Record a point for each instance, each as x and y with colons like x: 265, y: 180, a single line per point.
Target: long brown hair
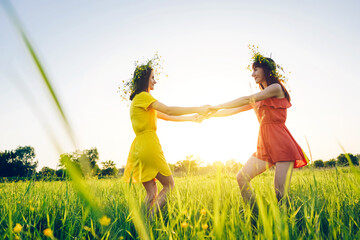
x: 141, y: 81
x: 270, y: 77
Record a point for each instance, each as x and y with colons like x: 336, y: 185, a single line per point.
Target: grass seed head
x: 86, y: 228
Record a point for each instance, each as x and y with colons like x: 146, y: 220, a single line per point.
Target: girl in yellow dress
x: 146, y: 161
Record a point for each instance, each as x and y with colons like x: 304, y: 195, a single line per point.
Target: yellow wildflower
x: 17, y: 228
x: 32, y: 209
x: 184, y: 225
x: 16, y: 237
x: 104, y: 221
x: 203, y: 211
x: 30, y: 202
x: 48, y: 232
x: 204, y: 226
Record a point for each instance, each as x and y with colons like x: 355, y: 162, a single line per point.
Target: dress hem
x: 142, y: 181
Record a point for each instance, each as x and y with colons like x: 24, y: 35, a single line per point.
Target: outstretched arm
x: 193, y: 117
x: 231, y: 111
x: 274, y: 90
x: 176, y: 111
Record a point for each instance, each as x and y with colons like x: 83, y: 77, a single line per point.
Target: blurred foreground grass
x: 323, y: 205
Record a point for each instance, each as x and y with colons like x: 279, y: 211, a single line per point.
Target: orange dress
x: 275, y: 143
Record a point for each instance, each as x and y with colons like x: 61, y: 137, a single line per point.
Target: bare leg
x: 151, y: 192
x: 282, y: 179
x: 252, y: 168
x: 168, y: 184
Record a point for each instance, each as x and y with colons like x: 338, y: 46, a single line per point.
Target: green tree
x: 109, y: 168
x: 319, y: 163
x: 342, y: 159
x: 218, y: 164
x: 18, y: 163
x: 47, y: 172
x: 330, y: 163
x: 61, y: 173
x: 232, y: 166
x: 85, y: 161
x: 189, y: 165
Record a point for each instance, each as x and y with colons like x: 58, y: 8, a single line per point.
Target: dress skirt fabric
x: 146, y: 158
x: 275, y: 142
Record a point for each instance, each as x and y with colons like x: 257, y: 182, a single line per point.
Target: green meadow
x: 323, y: 204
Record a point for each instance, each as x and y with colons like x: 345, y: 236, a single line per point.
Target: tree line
x: 21, y: 163
x: 341, y: 161
x: 192, y: 165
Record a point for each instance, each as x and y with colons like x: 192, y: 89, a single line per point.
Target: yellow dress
x: 146, y: 158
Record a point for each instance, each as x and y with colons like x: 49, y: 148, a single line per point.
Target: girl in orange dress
x: 275, y: 146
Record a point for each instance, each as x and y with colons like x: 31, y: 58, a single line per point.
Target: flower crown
x: 257, y: 57
x: 130, y: 86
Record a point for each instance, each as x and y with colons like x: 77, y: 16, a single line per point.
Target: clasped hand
x: 205, y: 112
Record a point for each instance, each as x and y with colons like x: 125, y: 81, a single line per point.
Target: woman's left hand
x: 198, y: 118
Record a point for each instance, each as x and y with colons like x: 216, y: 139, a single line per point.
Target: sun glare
x: 215, y: 139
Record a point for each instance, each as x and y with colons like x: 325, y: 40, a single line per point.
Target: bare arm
x: 176, y: 111
x: 274, y: 90
x: 194, y: 117
x: 231, y: 111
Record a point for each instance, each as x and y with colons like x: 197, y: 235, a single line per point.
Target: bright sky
x: 88, y: 47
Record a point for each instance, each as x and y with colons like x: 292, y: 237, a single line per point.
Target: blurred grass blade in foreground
x: 80, y: 185
x: 15, y: 20
x: 137, y: 217
x: 354, y: 170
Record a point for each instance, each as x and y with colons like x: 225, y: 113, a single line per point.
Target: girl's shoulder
x: 275, y: 102
x: 142, y: 95
x: 143, y: 100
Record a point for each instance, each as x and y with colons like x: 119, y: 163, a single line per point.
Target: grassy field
x: 324, y: 204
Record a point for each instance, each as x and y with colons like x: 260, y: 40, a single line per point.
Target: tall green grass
x: 322, y: 205
x: 79, y: 184
x: 83, y: 189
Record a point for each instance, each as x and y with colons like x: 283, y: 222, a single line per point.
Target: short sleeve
x: 144, y: 100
